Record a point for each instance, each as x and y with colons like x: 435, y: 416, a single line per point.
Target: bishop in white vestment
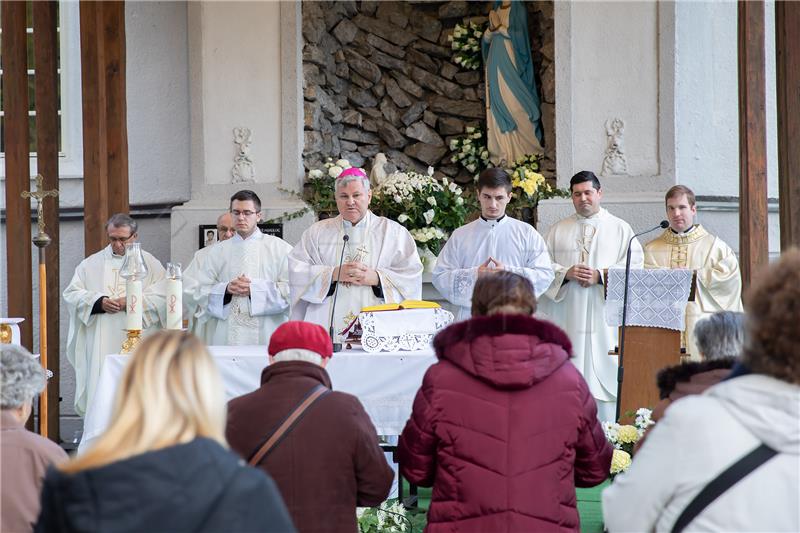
x: 191, y: 275
x: 243, y: 285
x: 688, y: 245
x: 493, y: 241
x: 381, y: 264
x: 581, y: 246
x: 96, y: 303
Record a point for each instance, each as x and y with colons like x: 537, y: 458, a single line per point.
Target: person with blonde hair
x: 504, y: 427
x: 24, y: 455
x: 163, y: 464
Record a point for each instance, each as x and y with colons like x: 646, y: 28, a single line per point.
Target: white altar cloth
x: 386, y: 383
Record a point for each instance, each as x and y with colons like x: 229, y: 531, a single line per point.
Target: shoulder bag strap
x: 728, y: 478
x: 288, y: 423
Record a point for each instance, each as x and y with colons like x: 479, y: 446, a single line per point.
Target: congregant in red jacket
x: 504, y: 426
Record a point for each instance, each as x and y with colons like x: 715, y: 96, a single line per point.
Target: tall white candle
x: 133, y: 297
x: 174, y: 304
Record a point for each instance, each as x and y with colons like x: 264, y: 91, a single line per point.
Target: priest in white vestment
x: 688, y: 245
x: 494, y: 241
x: 581, y: 246
x: 381, y: 264
x: 96, y: 303
x: 243, y: 285
x: 191, y: 286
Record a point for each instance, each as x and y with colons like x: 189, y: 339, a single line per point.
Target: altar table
x: 385, y: 383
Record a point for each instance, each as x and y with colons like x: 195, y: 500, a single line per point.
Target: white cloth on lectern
x: 656, y: 298
x: 517, y: 245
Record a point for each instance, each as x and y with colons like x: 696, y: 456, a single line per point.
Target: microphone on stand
x: 337, y: 346
x: 621, y: 370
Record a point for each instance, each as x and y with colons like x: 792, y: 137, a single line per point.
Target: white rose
x: 344, y: 163
x: 397, y: 198
x: 431, y: 200
x: 452, y: 187
x: 402, y: 218
x: 430, y: 171
x: 315, y: 174
x: 460, y: 201
x: 429, y: 214
x: 334, y: 171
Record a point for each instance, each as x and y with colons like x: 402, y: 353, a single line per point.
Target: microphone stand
x: 337, y: 346
x: 621, y: 368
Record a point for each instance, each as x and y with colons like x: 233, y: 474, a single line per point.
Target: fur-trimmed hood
x: 506, y: 351
x: 668, y: 379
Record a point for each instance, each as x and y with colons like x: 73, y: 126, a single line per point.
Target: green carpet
x: 589, y: 508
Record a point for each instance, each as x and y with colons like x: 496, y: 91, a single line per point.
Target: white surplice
x: 599, y: 241
x: 192, y: 296
x: 93, y: 336
x: 245, y: 320
x: 517, y: 245
x: 380, y: 243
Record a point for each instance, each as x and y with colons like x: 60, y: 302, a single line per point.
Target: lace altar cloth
x: 401, y: 329
x: 656, y: 297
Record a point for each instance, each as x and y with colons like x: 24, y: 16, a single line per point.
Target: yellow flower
x: 620, y: 461
x: 627, y: 435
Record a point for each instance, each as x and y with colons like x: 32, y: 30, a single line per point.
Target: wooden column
x: 105, y: 134
x: 753, y: 236
x: 18, y: 210
x: 45, y: 50
x: 787, y: 48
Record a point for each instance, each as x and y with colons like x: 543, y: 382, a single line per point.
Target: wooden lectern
x: 647, y: 350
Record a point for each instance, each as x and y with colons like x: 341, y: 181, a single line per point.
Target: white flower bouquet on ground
x: 624, y: 438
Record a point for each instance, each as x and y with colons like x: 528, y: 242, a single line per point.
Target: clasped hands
x: 584, y: 275
x: 113, y: 305
x: 490, y: 265
x: 239, y: 286
x: 356, y: 273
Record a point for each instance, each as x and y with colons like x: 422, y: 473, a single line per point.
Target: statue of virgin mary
x: 513, y: 117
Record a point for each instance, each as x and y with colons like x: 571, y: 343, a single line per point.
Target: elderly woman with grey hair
x: 25, y: 455
x: 719, y: 338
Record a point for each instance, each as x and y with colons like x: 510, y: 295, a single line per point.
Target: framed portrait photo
x: 207, y: 235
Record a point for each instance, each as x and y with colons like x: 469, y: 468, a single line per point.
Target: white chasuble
x: 244, y: 320
x: 517, y: 245
x: 599, y: 241
x: 379, y: 243
x: 719, y: 284
x: 93, y: 336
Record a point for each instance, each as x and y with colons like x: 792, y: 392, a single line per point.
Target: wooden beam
x: 45, y: 50
x: 753, y: 235
x: 17, y: 158
x: 105, y: 137
x: 787, y: 48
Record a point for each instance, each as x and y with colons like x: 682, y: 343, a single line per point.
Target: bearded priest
x: 380, y: 264
x: 688, y: 245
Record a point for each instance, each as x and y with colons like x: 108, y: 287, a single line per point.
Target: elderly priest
x: 380, y: 263
x: 96, y: 303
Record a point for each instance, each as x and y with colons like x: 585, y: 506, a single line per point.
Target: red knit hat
x: 297, y: 334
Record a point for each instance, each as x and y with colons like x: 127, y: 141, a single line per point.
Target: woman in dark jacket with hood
x: 163, y: 464
x: 504, y: 427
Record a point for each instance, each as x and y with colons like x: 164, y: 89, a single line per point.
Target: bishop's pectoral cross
x: 39, y: 195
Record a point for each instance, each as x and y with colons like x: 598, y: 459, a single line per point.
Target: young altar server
x: 97, y: 306
x: 495, y: 241
x: 243, y: 286
x: 381, y: 264
x: 688, y: 245
x: 581, y: 246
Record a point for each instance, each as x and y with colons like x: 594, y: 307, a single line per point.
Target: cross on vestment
x: 39, y: 196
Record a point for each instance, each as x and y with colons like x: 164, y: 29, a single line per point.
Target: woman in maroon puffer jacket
x: 504, y: 427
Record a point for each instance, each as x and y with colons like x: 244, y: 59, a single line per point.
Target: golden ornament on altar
x: 129, y: 344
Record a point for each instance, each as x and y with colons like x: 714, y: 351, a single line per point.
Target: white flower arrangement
x: 466, y: 43
x: 624, y: 437
x: 388, y: 518
x: 470, y: 150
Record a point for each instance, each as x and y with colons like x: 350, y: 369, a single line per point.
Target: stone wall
x: 378, y: 77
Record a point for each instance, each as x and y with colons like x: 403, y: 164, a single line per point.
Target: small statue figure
x: 243, y: 171
x: 614, y: 163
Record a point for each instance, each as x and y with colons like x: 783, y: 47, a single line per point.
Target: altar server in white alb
x: 688, y: 245
x: 495, y: 241
x: 381, y: 264
x: 581, y: 246
x: 243, y: 285
x: 97, y: 306
x: 198, y: 315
